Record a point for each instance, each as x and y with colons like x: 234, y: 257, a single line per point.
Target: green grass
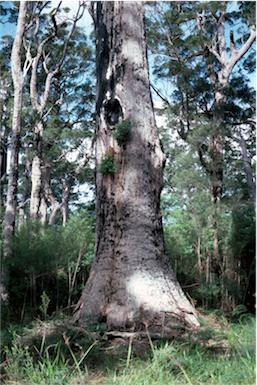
x: 221, y: 353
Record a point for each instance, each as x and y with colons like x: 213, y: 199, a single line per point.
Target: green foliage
x: 181, y: 60
x: 122, y: 131
x: 107, y: 164
x: 50, y: 369
x: 68, y: 113
x: 189, y: 240
x: 188, y: 217
x: 239, y: 311
x: 56, y: 259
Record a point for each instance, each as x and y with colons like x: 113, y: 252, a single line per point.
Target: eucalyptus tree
x: 131, y: 284
x: 56, y: 111
x: 5, y: 116
x: 5, y: 113
x: 19, y: 71
x: 192, y: 48
x: 46, y: 49
x: 67, y: 140
x: 248, y: 169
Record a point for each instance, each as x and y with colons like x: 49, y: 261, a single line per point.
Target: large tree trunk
x: 131, y: 282
x: 18, y: 80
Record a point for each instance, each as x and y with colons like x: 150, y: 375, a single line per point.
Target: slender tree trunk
x: 65, y: 213
x: 36, y: 172
x: 66, y: 185
x: 131, y: 282
x: 26, y: 191
x: 248, y: 171
x: 198, y: 253
x: 3, y: 167
x: 18, y: 80
x: 48, y: 194
x: 43, y: 211
x: 3, y: 144
x: 4, y: 132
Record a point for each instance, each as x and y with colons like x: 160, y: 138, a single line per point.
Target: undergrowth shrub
x: 52, y: 262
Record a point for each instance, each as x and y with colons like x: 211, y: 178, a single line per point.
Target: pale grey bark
x: 248, y: 170
x: 43, y: 211
x: 131, y: 283
x: 22, y: 207
x: 3, y: 151
x: 39, y: 104
x: 18, y: 80
x: 11, y: 200
x: 56, y: 206
x: 62, y: 206
x: 4, y: 86
x: 36, y: 172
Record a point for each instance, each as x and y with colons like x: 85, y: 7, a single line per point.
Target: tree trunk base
x: 116, y: 318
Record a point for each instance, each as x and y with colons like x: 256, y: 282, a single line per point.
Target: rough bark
x: 18, y: 80
x: 131, y: 283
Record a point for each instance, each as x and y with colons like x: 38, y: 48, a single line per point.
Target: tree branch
x: 51, y: 75
x: 236, y: 55
x: 165, y: 100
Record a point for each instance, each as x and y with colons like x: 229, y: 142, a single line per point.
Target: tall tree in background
x: 220, y: 65
x: 40, y: 91
x: 131, y: 282
x: 191, y: 47
x: 18, y: 74
x: 5, y: 114
x: 52, y: 124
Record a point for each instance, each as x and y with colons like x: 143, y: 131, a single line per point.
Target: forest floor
x: 54, y: 352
